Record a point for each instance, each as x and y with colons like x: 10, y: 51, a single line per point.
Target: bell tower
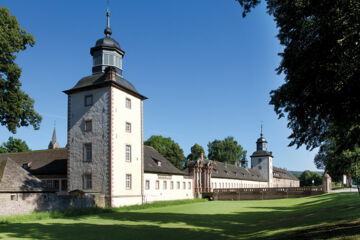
x: 105, y: 129
x: 262, y: 160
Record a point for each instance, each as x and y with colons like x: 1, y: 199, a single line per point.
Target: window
x: 49, y: 183
x: 171, y: 185
x: 128, y: 181
x: 87, y: 181
x: 189, y: 185
x: 184, y: 185
x: 147, y: 185
x: 88, y: 126
x: 97, y: 60
x: 128, y: 103
x: 56, y: 185
x: 107, y: 58
x: 157, y: 184
x: 128, y: 127
x: 63, y: 185
x: 178, y: 185
x: 13, y: 197
x: 260, y: 167
x: 87, y: 152
x: 88, y: 100
x: 164, y: 185
x: 128, y: 153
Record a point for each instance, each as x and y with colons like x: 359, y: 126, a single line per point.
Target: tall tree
x: 16, y: 107
x: 321, y: 66
x: 169, y: 149
x: 196, y: 151
x: 14, y: 145
x: 227, y: 150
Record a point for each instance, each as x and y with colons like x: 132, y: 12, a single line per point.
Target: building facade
x: 105, y: 154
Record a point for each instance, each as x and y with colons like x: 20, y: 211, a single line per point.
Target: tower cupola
x: 261, y: 143
x: 107, y: 52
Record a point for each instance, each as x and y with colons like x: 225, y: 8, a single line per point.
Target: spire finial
x: 261, y: 132
x: 108, y: 31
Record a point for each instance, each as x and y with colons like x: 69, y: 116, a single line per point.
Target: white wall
x: 223, y: 183
x: 161, y: 194
x: 119, y: 139
x: 279, y: 182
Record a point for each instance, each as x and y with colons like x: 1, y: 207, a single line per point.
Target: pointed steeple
x: 107, y: 30
x: 53, y: 143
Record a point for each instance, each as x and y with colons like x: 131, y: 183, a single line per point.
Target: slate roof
x: 42, y: 162
x: 261, y: 154
x: 283, y: 174
x: 151, y: 159
x: 13, y: 178
x: 223, y: 170
x: 98, y: 80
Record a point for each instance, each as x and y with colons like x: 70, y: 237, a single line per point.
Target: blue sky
x: 206, y: 70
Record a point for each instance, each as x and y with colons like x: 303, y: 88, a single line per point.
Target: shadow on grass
x: 263, y: 223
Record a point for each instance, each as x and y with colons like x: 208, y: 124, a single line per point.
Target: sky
x: 207, y: 72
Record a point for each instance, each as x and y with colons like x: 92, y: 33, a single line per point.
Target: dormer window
x: 26, y: 166
x: 157, y: 162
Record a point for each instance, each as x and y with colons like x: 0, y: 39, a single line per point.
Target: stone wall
x: 262, y: 193
x: 25, y: 203
x: 281, y: 182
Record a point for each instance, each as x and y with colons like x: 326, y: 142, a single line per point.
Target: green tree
x: 227, y: 150
x: 16, y: 107
x: 169, y: 149
x: 307, y: 177
x: 14, y: 145
x: 320, y: 62
x: 196, y: 151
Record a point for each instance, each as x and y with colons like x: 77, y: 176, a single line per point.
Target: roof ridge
x: 33, y: 151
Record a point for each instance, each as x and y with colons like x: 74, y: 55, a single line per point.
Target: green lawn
x: 330, y: 216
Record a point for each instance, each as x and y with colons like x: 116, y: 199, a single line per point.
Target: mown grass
x: 329, y: 216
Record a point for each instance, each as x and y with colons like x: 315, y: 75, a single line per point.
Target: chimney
x: 110, y: 74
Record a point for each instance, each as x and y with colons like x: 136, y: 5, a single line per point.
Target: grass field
x: 330, y: 216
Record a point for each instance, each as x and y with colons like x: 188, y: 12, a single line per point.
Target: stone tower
x: 53, y: 143
x: 105, y: 129
x: 262, y: 160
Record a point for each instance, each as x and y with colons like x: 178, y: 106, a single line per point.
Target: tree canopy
x: 227, y: 150
x: 307, y: 177
x: 16, y: 107
x: 321, y: 65
x: 196, y: 151
x: 169, y: 149
x: 14, y: 145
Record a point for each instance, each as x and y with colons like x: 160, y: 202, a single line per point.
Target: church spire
x: 53, y: 143
x: 261, y: 131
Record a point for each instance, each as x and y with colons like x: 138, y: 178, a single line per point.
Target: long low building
x: 162, y: 181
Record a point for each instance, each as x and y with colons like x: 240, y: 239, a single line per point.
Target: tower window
x: 128, y: 181
x: 88, y: 126
x: 87, y: 152
x: 147, y: 185
x: 87, y: 181
x: 128, y: 103
x: 128, y: 153
x: 88, y: 101
x: 97, y: 60
x: 128, y: 127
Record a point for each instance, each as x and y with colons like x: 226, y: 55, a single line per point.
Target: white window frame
x: 157, y: 185
x: 128, y: 103
x: 128, y: 127
x: 128, y: 153
x: 147, y: 184
x: 128, y: 181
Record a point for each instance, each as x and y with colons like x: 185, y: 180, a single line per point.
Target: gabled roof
x: 154, y: 162
x: 41, y: 162
x: 224, y: 170
x: 13, y: 178
x: 283, y: 174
